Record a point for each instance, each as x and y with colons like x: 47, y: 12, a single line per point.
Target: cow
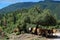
x: 38, y: 31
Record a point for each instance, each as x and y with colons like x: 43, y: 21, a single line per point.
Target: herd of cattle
x: 37, y: 31
x: 43, y: 32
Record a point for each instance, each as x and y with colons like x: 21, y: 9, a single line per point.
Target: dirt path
x: 32, y: 37
x: 26, y: 37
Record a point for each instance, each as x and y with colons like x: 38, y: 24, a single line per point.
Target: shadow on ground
x: 53, y: 37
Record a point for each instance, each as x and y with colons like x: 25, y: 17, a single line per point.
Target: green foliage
x: 25, y: 18
x: 36, y: 16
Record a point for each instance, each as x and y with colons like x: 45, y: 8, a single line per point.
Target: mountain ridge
x: 54, y: 6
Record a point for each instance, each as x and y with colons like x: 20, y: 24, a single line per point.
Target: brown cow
x: 44, y: 32
x: 38, y: 31
x: 33, y: 30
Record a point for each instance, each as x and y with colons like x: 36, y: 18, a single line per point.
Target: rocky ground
x: 26, y: 37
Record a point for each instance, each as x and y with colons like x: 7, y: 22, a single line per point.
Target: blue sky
x: 4, y: 3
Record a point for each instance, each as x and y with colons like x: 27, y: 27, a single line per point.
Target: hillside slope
x: 54, y: 6
x: 16, y: 6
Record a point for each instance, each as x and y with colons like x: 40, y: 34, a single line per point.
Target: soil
x: 26, y: 37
